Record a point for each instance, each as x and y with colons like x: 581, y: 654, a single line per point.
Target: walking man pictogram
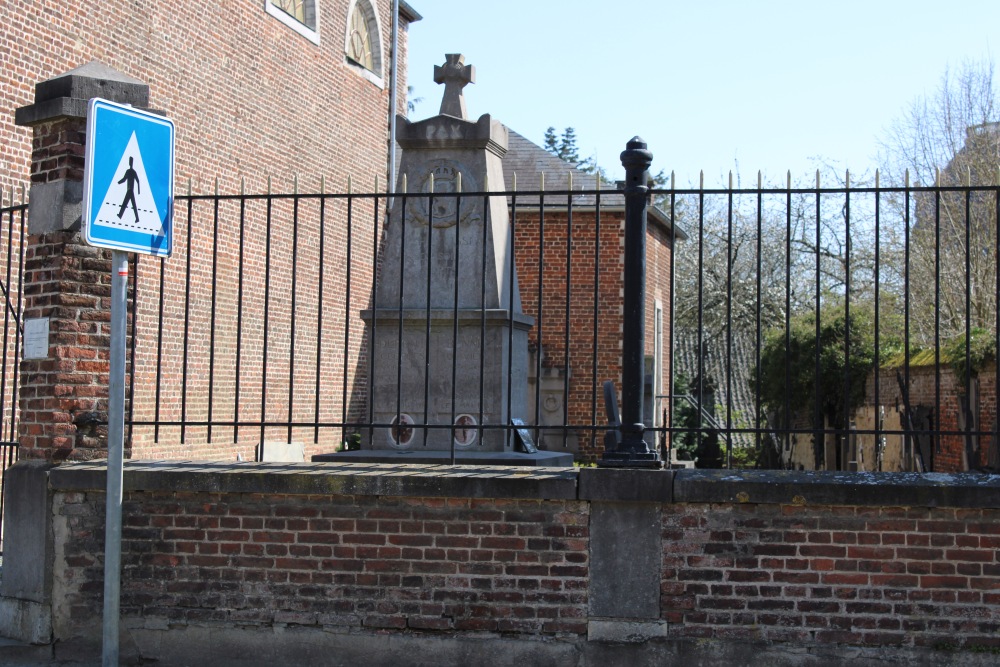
x: 131, y: 181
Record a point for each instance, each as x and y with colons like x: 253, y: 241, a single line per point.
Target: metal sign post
x: 128, y: 197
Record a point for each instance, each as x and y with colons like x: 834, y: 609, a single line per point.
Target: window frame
x: 309, y: 30
x: 375, y: 37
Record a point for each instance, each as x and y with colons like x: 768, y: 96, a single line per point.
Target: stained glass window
x: 294, y: 8
x: 359, y: 42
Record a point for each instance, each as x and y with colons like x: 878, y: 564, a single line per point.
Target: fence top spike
x: 189, y: 186
x: 847, y: 179
x: 541, y: 185
x: 404, y: 183
x: 673, y: 179
x: 513, y: 181
x: 907, y: 178
x: 269, y: 184
x: 876, y: 179
x: 788, y: 179
x: 817, y: 179
x: 730, y: 179
x: 968, y: 175
x: 937, y: 177
x: 322, y: 184
x: 430, y: 182
x: 570, y: 179
x: 486, y: 182
x: 376, y: 184
x: 295, y: 184
x: 243, y: 185
x: 458, y: 181
x: 760, y: 180
x: 216, y: 186
x: 701, y: 179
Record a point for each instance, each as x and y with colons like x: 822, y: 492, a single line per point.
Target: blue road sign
x: 128, y: 179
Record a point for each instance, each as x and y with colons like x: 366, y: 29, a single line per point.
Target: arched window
x: 363, y: 48
x: 302, y: 16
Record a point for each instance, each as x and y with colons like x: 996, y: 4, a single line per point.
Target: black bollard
x: 632, y: 450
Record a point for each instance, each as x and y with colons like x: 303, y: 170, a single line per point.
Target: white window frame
x: 378, y: 52
x: 309, y: 32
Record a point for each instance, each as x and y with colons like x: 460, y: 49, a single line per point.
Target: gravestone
x: 448, y: 337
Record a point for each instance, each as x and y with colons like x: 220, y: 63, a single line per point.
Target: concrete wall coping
x: 591, y: 484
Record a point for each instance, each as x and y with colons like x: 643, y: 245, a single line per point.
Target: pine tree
x: 551, y: 142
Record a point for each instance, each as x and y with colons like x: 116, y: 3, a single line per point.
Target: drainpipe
x: 392, y: 98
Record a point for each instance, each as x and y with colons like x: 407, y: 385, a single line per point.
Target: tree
x: 950, y: 138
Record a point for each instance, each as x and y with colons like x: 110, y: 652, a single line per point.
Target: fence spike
x: 907, y: 179
x: 730, y: 179
x: 243, y: 186
x: 541, y: 185
x: 458, y: 182
x: 847, y: 179
x: 295, y: 184
x: 673, y: 180
x: 817, y: 179
x: 216, y: 186
x: 513, y: 181
x: 571, y: 179
x: 430, y: 182
x: 376, y: 187
x: 269, y: 184
x: 968, y: 175
x: 322, y: 184
x: 788, y: 179
x: 404, y: 184
x: 486, y: 182
x: 597, y: 182
x: 760, y: 180
x: 189, y: 186
x: 876, y: 179
x: 701, y: 179
x: 937, y: 177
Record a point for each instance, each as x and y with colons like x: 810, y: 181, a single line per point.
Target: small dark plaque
x: 524, y: 436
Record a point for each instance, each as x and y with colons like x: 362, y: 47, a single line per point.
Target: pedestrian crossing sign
x: 128, y: 179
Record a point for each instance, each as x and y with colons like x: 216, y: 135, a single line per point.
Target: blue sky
x: 770, y: 85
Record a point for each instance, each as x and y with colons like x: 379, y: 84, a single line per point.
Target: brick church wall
x: 253, y: 102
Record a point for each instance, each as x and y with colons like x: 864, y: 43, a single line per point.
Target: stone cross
x: 455, y: 75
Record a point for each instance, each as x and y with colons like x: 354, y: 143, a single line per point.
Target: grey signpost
x: 128, y: 196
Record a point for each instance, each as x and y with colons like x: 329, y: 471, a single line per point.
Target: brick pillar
x: 63, y: 398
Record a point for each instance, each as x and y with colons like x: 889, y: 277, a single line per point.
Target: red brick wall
x: 927, y: 387
x: 250, y: 99
x: 819, y: 575
x: 456, y: 564
x: 874, y: 576
x: 551, y: 318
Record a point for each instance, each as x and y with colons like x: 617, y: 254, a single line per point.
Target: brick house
x: 590, y: 361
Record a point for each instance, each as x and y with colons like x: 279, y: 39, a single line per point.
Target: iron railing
x: 13, y: 217
x: 252, y: 332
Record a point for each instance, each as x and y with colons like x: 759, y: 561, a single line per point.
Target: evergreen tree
x: 551, y: 142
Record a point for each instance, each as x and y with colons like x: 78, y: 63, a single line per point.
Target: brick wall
x: 791, y: 561
x: 863, y: 576
x: 588, y: 299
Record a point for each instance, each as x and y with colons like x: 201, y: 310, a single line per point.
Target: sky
x: 710, y: 85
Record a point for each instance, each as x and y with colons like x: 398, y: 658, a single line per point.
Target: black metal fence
x: 13, y: 217
x: 844, y: 327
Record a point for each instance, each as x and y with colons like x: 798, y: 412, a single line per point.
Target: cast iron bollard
x: 632, y: 450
